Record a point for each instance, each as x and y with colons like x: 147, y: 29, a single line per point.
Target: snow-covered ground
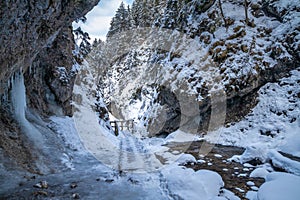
x: 133, y: 167
x: 150, y: 161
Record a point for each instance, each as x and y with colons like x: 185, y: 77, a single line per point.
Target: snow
x: 248, y: 165
x: 201, y: 161
x: 218, y: 156
x: 137, y: 158
x: 186, y: 158
x: 181, y: 136
x: 239, y: 189
x: 226, y: 194
x: 280, y: 186
x: 254, y: 151
x: 292, y: 141
x: 276, y: 113
x: 187, y: 184
x: 282, y: 162
x: 251, y: 195
x: 65, y: 127
x: 250, y: 183
x: 259, y: 173
x: 254, y: 188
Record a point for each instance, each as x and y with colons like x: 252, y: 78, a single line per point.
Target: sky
x: 98, y: 19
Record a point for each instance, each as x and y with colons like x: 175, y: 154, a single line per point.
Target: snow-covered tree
x: 121, y: 21
x: 143, y: 12
x: 170, y: 15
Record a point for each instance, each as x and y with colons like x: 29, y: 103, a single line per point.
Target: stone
x: 244, y: 48
x: 75, y: 196
x: 73, y: 185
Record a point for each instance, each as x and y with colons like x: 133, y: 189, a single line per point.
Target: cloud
x: 98, y: 19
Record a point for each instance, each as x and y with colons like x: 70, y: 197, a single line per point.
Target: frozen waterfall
x: 18, y: 101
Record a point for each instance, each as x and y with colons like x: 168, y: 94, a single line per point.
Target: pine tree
x: 170, y: 15
x: 120, y: 22
x: 85, y: 46
x: 96, y: 42
x: 143, y: 12
x: 145, y: 15
x: 135, y: 13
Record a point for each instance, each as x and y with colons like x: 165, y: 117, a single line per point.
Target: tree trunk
x: 222, y: 13
x: 246, y: 11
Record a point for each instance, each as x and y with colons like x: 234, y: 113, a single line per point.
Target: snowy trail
x: 133, y: 154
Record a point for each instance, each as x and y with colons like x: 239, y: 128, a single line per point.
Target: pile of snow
x: 186, y: 158
x: 279, y: 186
x: 187, y: 184
x: 181, y: 136
x: 259, y: 173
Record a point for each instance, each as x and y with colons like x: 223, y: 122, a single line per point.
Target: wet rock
x: 42, y: 185
x: 75, y: 196
x: 73, y: 185
x: 131, y: 180
x: 40, y: 193
x: 38, y: 185
x: 244, y: 48
x: 255, y: 162
x: 109, y: 180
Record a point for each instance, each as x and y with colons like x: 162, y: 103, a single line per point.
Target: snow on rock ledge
x: 282, y: 162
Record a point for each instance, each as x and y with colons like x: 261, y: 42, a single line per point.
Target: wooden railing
x: 122, y: 125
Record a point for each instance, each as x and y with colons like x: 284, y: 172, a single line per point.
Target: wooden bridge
x: 122, y: 125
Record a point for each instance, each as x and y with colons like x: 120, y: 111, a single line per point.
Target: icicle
x: 18, y: 97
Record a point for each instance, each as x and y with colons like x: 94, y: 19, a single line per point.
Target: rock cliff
x: 36, y: 40
x: 211, y: 46
x: 37, y: 34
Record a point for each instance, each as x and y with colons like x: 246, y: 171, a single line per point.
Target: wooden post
x: 116, y: 129
x: 115, y: 126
